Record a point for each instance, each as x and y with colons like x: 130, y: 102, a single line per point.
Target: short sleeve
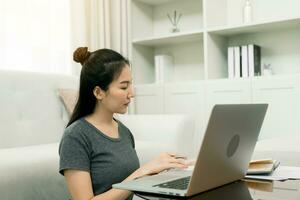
x: 73, y: 154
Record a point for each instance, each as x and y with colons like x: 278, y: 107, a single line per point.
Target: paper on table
x: 281, y: 173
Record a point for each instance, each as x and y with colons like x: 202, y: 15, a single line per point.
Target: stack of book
x: 263, y: 166
x: 244, y: 61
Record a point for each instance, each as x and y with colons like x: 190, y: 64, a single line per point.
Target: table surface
x: 246, y: 190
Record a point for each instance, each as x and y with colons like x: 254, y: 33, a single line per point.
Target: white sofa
x: 32, y: 121
x: 161, y: 133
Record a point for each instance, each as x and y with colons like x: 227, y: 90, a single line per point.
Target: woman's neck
x: 101, y: 116
x: 104, y: 121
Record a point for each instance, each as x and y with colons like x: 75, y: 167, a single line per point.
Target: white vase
x: 247, y: 12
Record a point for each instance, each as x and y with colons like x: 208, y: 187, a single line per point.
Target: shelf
x: 174, y: 38
x: 256, y: 27
x: 277, y: 77
x: 155, y: 2
x: 274, y: 77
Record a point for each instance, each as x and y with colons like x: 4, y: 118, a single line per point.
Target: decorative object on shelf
x: 163, y: 68
x: 267, y: 70
x: 174, y: 21
x: 247, y: 12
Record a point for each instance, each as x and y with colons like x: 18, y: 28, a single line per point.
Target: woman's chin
x: 123, y: 111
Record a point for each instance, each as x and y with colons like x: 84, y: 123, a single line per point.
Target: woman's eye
x: 124, y: 86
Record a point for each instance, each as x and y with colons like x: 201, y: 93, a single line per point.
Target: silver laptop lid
x: 227, y: 147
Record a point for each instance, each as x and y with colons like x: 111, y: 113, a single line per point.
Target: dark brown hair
x: 99, y: 68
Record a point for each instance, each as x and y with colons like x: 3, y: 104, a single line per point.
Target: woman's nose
x: 131, y: 93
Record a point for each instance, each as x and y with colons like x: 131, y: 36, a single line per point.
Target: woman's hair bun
x: 81, y: 54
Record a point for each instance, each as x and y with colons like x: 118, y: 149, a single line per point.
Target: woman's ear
x: 98, y: 93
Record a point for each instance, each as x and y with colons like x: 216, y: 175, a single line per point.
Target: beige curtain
x: 100, y: 24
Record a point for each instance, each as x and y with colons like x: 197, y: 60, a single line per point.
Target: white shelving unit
x: 207, y: 29
x: 279, y: 41
x: 151, y: 36
x: 275, y: 27
x: 169, y: 39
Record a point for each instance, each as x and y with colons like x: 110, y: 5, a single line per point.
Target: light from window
x: 35, y: 35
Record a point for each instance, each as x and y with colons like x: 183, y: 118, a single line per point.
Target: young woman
x: 97, y: 150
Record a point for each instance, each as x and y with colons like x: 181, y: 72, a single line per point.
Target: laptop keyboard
x: 180, y: 184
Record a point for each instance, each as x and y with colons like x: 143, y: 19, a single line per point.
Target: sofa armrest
x: 31, y: 172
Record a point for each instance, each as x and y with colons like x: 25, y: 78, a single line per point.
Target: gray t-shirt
x: 109, y: 160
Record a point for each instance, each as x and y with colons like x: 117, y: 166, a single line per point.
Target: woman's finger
x: 172, y: 154
x: 177, y: 165
x: 190, y: 162
x: 178, y: 160
x: 180, y: 156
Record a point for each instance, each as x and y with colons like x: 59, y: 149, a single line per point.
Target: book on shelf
x: 163, y: 68
x: 245, y: 67
x: 262, y: 166
x: 237, y: 61
x: 254, y: 56
x: 244, y: 61
x: 230, y: 60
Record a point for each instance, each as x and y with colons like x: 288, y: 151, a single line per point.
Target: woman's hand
x: 163, y: 162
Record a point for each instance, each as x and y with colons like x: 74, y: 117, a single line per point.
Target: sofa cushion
x: 69, y: 98
x: 28, y: 132
x: 31, y: 173
x: 31, y: 112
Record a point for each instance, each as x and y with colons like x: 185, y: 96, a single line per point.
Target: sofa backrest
x: 161, y: 133
x: 30, y: 109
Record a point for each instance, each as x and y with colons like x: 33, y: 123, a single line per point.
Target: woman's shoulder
x: 75, y: 129
x: 126, y: 131
x: 123, y: 127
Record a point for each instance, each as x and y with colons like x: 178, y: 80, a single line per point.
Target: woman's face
x: 117, y: 98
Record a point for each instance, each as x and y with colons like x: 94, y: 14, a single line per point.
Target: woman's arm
x: 80, y: 187
x: 80, y: 184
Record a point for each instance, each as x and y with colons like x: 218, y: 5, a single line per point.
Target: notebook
x: 262, y: 166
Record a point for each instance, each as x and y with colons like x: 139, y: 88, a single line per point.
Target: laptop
x: 224, y: 156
